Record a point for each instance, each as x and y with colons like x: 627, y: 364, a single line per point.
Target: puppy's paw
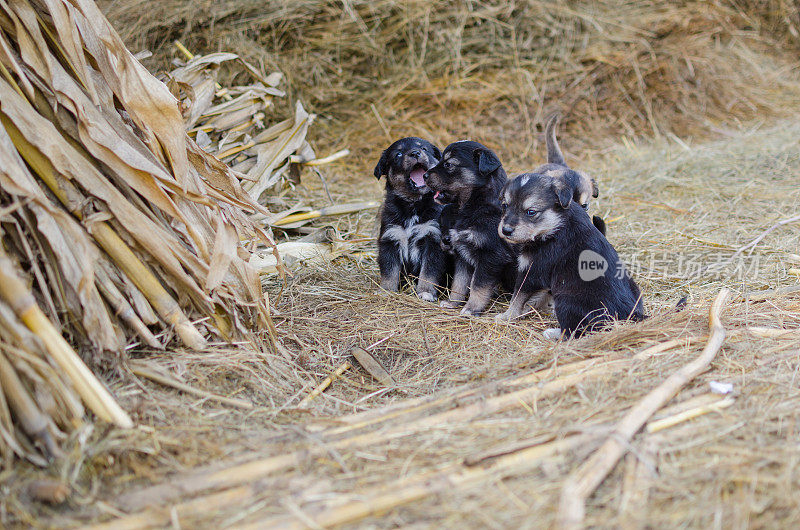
x: 505, y: 316
x: 450, y: 304
x: 468, y: 311
x: 428, y: 297
x: 552, y: 334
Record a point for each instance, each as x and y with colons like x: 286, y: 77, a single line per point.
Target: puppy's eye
x: 504, y: 206
x: 531, y: 212
x: 398, y: 154
x: 447, y: 166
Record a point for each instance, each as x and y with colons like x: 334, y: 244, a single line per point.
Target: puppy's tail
x: 554, y: 155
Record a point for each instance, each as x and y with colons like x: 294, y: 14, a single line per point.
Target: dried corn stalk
x: 231, y: 123
x: 115, y: 226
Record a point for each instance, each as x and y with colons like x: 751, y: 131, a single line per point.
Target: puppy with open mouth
x: 563, y: 251
x: 469, y: 178
x: 409, y: 241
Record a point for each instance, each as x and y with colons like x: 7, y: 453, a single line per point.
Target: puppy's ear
x: 503, y: 190
x: 486, y: 161
x: 437, y: 153
x: 595, y: 189
x: 564, y: 196
x: 599, y: 223
x: 382, y: 167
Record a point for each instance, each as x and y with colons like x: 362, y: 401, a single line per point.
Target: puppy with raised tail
x: 581, y: 187
x: 469, y: 178
x: 562, y: 250
x: 409, y: 241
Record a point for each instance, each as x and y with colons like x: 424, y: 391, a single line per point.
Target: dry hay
x: 730, y: 465
x: 492, y: 70
x: 671, y: 207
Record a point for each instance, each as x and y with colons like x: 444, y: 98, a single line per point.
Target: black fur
x: 469, y: 178
x: 555, y: 257
x: 409, y: 242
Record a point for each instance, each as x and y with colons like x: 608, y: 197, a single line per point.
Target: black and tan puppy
x: 584, y: 187
x: 469, y: 178
x: 410, y: 238
x: 561, y: 250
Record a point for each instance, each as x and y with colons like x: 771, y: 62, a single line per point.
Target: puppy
x: 409, y: 242
x: 582, y: 187
x: 561, y: 250
x: 469, y: 178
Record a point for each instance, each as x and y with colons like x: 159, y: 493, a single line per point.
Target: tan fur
x: 478, y: 300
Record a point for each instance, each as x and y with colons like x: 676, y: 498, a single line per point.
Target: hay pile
x: 116, y: 230
x: 492, y: 70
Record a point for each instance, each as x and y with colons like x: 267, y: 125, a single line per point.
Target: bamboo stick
x: 143, y: 371
x: 107, y: 238
x: 594, y: 470
x: 94, y: 394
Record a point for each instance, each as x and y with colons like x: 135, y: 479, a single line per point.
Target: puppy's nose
x: 415, y: 153
x: 508, y: 230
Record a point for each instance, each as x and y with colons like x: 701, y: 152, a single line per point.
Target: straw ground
x: 667, y: 206
x: 486, y: 443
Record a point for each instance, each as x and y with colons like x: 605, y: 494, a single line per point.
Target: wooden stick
x: 329, y: 210
x: 320, y: 161
x: 593, y: 471
x: 769, y: 333
x: 323, y: 385
x: 143, y: 371
x: 671, y: 421
x: 760, y: 296
x: 93, y: 393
